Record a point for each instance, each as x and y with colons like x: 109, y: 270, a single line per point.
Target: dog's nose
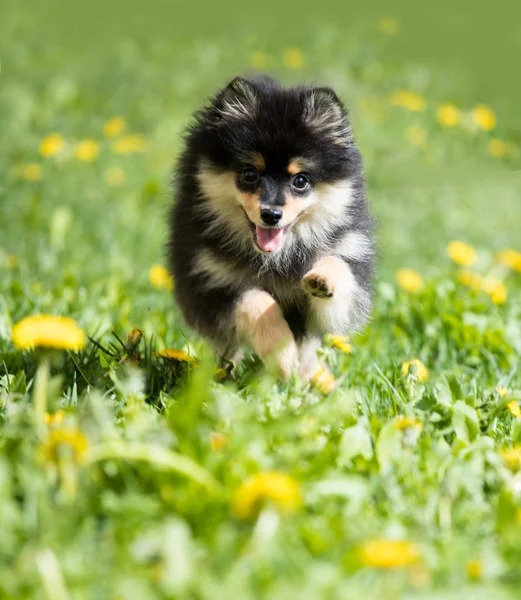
x: 271, y: 216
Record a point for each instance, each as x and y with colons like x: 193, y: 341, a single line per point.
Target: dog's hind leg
x: 260, y: 324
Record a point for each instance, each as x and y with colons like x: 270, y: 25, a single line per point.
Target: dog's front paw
x: 318, y: 285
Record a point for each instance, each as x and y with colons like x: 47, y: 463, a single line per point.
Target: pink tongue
x: 269, y: 240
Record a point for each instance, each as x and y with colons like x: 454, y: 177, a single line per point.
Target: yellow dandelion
x: 448, y: 115
x: 114, y: 126
x: 461, y: 253
x: 484, y: 117
x: 258, y: 60
x: 496, y: 148
x: 87, y: 150
x: 409, y: 280
x: 474, y: 570
x: 55, y: 418
x: 404, y: 423
x: 129, y: 144
x: 502, y: 391
x: 51, y: 145
x: 389, y: 26
x: 409, y: 100
x: 514, y: 409
x: 293, y: 58
x: 160, y: 278
x: 63, y: 441
x: 416, y: 135
x: 389, y: 554
x: 220, y: 374
x: 114, y: 176
x: 340, y: 342
x: 11, y: 262
x: 218, y: 441
x: 415, y: 368
x: 470, y: 278
x: 510, y: 258
x: 32, y: 172
x: 134, y: 338
x: 496, y: 289
x: 175, y: 355
x: 512, y: 457
x: 271, y: 486
x: 324, y: 381
x: 47, y: 331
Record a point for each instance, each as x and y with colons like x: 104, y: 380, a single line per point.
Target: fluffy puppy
x: 271, y: 242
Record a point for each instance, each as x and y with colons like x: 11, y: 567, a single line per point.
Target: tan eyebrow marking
x: 298, y: 165
x: 258, y: 161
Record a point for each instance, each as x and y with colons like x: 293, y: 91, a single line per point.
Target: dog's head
x: 275, y: 162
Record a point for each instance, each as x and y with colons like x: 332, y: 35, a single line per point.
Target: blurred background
x: 94, y: 99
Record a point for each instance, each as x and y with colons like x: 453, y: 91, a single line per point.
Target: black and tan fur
x: 278, y: 303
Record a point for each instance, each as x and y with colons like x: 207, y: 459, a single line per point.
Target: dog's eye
x: 249, y: 175
x: 300, y: 183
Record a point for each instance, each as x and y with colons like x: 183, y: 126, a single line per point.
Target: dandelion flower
x: 416, y: 368
x: 114, y: 176
x: 220, y: 374
x: 389, y: 554
x: 496, y: 289
x: 218, y: 441
x: 324, y: 381
x: 416, y: 135
x: 470, y: 278
x: 484, y: 117
x: 409, y: 280
x: 474, y: 569
x: 340, y: 342
x: 51, y: 145
x: 87, y: 150
x: 409, y: 100
x: 114, y: 126
x: 293, y: 58
x: 389, y: 26
x: 512, y: 457
x: 496, y: 148
x: 448, y: 115
x: 47, y: 331
x: 160, y: 278
x: 510, y: 258
x: 129, y: 144
x: 32, y: 172
x: 134, y: 338
x: 55, y: 418
x: 64, y: 440
x: 513, y: 408
x: 175, y: 355
x: 502, y: 391
x: 404, y: 423
x: 461, y: 253
x: 258, y: 60
x: 271, y: 486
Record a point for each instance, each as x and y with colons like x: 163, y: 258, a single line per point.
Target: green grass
x: 138, y: 502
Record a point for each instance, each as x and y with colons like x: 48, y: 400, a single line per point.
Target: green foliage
x: 127, y: 490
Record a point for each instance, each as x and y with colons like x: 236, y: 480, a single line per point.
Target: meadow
x: 131, y: 466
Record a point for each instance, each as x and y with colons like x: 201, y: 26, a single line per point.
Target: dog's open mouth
x: 269, y: 239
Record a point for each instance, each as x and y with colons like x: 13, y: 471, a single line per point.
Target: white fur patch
x: 327, y: 209
x: 346, y: 309
x: 355, y: 245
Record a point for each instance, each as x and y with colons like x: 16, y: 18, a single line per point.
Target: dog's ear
x: 325, y: 113
x: 238, y: 100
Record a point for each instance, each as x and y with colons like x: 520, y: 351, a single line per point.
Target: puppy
x: 271, y: 243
